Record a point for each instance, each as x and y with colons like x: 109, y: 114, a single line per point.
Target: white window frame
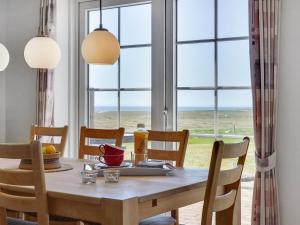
x: 158, y: 59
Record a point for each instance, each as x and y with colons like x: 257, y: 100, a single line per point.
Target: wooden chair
x: 229, y: 179
x: 178, y: 156
x: 13, y: 180
x: 62, y: 132
x: 84, y: 149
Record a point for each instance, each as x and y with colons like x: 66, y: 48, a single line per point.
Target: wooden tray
x: 51, y: 161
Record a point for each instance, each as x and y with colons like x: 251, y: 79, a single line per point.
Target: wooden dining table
x: 127, y: 202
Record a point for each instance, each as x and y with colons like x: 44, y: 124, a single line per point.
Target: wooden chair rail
x: 230, y: 176
x: 10, y: 151
x: 16, y: 177
x: 18, y: 203
x: 90, y: 150
x: 170, y: 136
x: 50, y: 131
x: 225, y: 201
x: 163, y: 155
x: 236, y: 150
x: 103, y: 133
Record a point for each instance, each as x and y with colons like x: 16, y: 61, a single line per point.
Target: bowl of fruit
x: 50, y: 156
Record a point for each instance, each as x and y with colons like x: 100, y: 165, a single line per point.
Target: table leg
x: 120, y: 212
x: 231, y: 216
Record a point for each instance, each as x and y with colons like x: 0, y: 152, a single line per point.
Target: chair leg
x: 175, y: 215
x: 3, y: 216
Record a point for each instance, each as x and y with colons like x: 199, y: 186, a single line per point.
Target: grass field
x: 198, y: 122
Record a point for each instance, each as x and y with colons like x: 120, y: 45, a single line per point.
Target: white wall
x: 289, y: 114
x: 22, y: 21
x: 2, y: 74
x: 20, y: 94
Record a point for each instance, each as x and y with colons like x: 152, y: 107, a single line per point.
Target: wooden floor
x: 191, y: 215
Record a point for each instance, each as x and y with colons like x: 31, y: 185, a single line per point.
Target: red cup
x: 112, y: 160
x: 110, y: 150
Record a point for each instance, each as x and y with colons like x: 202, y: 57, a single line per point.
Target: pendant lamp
x: 100, y: 47
x: 42, y: 52
x: 4, y: 57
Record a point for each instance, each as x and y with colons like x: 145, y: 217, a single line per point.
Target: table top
x: 67, y: 184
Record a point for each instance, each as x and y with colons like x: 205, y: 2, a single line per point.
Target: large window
x: 120, y: 95
x: 213, y: 85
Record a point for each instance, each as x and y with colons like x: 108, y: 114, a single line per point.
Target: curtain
x: 45, y: 78
x: 264, y: 27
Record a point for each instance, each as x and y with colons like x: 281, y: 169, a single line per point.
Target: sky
x: 195, y: 62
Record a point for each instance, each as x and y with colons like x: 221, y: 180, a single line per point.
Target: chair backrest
x: 230, y: 179
x: 178, y: 156
x: 85, y: 149
x: 12, y: 181
x: 37, y: 132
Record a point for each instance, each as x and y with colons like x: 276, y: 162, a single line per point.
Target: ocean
x: 100, y: 109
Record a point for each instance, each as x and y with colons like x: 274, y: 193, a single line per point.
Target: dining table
x: 130, y: 200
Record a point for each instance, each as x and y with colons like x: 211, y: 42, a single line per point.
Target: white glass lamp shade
x: 4, y: 57
x: 101, y: 48
x: 42, y: 53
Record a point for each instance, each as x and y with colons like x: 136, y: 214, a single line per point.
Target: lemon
x: 49, y: 149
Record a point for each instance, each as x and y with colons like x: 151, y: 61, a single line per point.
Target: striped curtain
x: 264, y: 26
x: 45, y: 78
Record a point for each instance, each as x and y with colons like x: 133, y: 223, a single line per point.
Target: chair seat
x: 158, y: 220
x: 13, y: 221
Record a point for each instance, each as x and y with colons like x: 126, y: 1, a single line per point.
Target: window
x: 120, y: 95
x: 213, y: 87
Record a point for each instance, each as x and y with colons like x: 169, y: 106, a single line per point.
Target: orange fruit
x: 50, y: 149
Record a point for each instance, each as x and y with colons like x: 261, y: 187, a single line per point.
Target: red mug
x: 112, y: 160
x: 110, y: 150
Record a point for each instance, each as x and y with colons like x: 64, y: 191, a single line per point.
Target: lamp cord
x: 100, y: 2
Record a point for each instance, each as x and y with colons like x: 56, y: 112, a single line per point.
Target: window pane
x: 110, y: 20
x: 135, y: 108
x: 196, y: 65
x: 104, y: 110
x: 233, y: 18
x: 136, y: 67
x: 196, y: 111
x: 235, y: 112
x: 136, y: 25
x: 195, y: 19
x: 234, y: 63
x: 102, y: 76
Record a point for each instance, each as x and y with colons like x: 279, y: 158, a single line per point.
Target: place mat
x: 64, y: 167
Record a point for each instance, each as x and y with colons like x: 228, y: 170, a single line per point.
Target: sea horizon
x: 100, y: 109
